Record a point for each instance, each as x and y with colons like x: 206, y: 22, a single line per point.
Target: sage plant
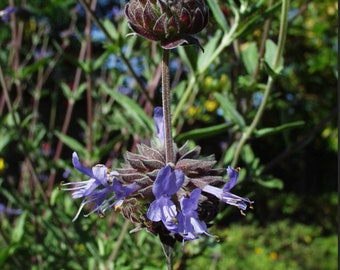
x: 167, y: 189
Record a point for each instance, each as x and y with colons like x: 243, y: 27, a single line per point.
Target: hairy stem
x: 169, y: 154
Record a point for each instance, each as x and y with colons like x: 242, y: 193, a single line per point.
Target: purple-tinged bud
x: 172, y: 22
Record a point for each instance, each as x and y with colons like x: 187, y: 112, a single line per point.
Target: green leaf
x: 230, y: 111
x: 200, y: 133
x: 229, y: 155
x: 28, y: 70
x: 131, y: 107
x: 250, y: 57
x: 218, y: 14
x: 188, y: 57
x: 66, y: 90
x: 79, y: 91
x: 71, y: 143
x: 270, y: 131
x: 248, y: 154
x: 111, y: 29
x: 204, y: 58
x: 272, y: 183
x: 100, y: 61
x: 4, y: 254
x: 18, y: 230
x: 5, y: 139
x: 269, y: 59
x: 178, y: 91
x: 266, y: 67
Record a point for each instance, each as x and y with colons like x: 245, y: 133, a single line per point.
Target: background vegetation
x: 72, y: 80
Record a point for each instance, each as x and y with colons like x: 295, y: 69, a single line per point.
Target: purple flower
x: 225, y: 196
x: 167, y: 183
x: 9, y: 211
x: 158, y: 118
x: 101, y: 184
x: 189, y: 225
x: 4, y: 14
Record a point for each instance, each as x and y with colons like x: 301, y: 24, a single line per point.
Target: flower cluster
x: 170, y: 199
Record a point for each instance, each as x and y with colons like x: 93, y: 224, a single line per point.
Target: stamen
x: 217, y: 238
x: 118, y: 208
x: 174, y: 220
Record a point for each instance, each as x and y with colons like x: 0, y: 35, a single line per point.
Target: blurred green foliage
x: 72, y: 89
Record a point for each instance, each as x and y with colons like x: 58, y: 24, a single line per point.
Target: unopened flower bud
x: 172, y: 22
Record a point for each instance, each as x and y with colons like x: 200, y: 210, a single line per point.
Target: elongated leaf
x: 188, y: 58
x: 200, y: 133
x: 270, y: 55
x: 230, y: 112
x: 204, y: 58
x: 271, y: 72
x: 71, y: 143
x: 4, y: 254
x: 18, y: 230
x: 131, y: 107
x: 250, y: 57
x: 272, y: 183
x: 111, y: 29
x: 99, y: 62
x: 218, y: 15
x: 270, y: 131
x: 229, y: 155
x: 35, y: 66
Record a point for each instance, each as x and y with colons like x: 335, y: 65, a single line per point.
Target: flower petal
x: 158, y: 118
x: 80, y: 167
x: 233, y: 175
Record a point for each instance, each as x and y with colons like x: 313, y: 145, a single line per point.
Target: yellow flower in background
x: 273, y: 255
x: 2, y: 164
x: 193, y: 111
x: 211, y: 105
x: 208, y: 82
x: 224, y: 79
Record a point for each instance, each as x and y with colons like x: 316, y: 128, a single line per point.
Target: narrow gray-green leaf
x: 131, y: 107
x: 270, y: 55
x: 270, y: 131
x: 218, y: 14
x: 204, y: 58
x: 272, y: 183
x: 18, y: 230
x: 200, y: 133
x: 230, y: 112
x: 71, y: 143
x: 250, y: 57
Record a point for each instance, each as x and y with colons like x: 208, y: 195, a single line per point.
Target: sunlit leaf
x: 270, y: 131
x: 230, y: 112
x: 250, y: 57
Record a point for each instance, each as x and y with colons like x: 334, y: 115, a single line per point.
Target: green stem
x: 117, y: 244
x: 227, y: 39
x: 185, y: 97
x: 169, y: 153
x: 259, y: 113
